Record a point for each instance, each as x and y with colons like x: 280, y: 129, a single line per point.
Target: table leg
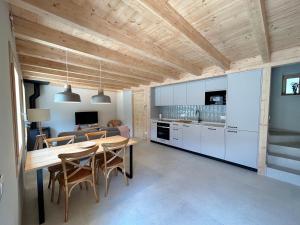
x: 39, y: 179
x: 130, y: 174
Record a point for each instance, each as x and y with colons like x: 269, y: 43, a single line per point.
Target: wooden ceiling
x: 144, y: 41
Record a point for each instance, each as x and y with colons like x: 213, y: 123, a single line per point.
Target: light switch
x: 1, y: 185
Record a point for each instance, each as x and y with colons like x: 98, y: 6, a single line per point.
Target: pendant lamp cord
x: 100, y: 68
x: 67, y: 68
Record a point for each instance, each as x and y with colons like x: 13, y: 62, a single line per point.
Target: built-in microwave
x: 215, y: 98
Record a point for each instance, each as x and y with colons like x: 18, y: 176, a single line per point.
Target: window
x: 291, y: 84
x: 17, y: 98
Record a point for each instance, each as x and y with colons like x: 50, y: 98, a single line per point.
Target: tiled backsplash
x: 211, y: 113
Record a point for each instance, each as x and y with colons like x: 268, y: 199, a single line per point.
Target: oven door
x: 163, y: 132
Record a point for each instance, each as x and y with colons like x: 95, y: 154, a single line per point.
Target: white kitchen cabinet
x: 153, y: 130
x: 191, y: 137
x: 213, y: 141
x: 157, y: 95
x: 166, y: 95
x: 241, y: 147
x: 195, y: 93
x: 176, y: 135
x: 243, y: 100
x: 216, y: 84
x: 179, y: 94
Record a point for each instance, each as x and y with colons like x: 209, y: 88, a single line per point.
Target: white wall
x: 124, y: 108
x: 63, y: 114
x: 284, y: 110
x: 10, y: 205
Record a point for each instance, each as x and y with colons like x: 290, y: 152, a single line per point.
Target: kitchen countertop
x: 204, y: 123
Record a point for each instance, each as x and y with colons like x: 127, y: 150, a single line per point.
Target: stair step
x: 283, y: 155
x: 283, y: 174
x: 292, y: 149
x: 285, y: 169
x: 283, y: 160
x: 277, y: 136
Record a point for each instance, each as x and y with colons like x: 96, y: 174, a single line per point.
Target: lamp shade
x: 100, y: 98
x: 67, y: 96
x: 38, y: 115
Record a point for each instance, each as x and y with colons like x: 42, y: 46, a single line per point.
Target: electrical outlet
x: 1, y: 185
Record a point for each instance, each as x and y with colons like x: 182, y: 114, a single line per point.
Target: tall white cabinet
x: 242, y: 117
x: 243, y: 100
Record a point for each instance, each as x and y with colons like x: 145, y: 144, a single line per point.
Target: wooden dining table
x: 39, y: 159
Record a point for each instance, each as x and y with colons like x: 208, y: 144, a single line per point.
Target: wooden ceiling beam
x: 34, y: 69
x: 258, y: 18
x: 42, y: 77
x: 166, y: 12
x: 63, y: 75
x: 41, y: 34
x: 43, y: 65
x: 93, y: 22
x: 25, y: 47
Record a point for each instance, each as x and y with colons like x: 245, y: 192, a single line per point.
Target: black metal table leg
x: 39, y: 179
x: 130, y: 174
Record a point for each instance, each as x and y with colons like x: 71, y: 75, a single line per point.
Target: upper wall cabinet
x: 179, y: 94
x: 157, y: 95
x: 216, y: 84
x: 166, y: 93
x: 243, y: 100
x: 195, y: 92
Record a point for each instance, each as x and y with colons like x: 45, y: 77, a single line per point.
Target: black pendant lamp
x: 67, y: 96
x: 100, y: 98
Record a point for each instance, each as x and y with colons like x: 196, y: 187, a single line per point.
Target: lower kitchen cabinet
x: 176, y: 135
x: 191, y: 137
x: 242, y: 147
x: 213, y: 141
x: 153, y: 130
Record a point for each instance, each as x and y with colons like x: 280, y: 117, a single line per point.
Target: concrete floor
x: 175, y: 187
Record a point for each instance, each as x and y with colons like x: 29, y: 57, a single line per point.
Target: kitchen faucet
x: 198, y: 112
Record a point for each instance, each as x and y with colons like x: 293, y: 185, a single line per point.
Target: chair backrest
x: 96, y: 135
x: 65, y: 140
x: 39, y: 140
x: 73, y: 159
x: 115, y: 149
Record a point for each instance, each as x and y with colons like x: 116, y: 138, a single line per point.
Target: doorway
x: 139, y: 114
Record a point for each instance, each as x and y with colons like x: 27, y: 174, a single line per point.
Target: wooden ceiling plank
x: 258, y: 18
x: 166, y: 12
x: 69, y: 10
x: 40, y: 33
x: 29, y: 48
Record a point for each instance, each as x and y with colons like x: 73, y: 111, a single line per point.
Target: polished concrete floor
x: 175, y: 187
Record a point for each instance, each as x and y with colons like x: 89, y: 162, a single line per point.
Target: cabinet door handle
x: 232, y: 131
x: 232, y: 127
x: 175, y: 139
x: 175, y: 129
x: 186, y: 126
x: 211, y: 128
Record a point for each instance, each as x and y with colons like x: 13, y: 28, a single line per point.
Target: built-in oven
x: 215, y: 98
x: 163, y: 131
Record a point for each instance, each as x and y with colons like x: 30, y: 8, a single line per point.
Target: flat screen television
x: 86, y: 117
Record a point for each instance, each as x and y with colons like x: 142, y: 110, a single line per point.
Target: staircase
x: 283, y: 156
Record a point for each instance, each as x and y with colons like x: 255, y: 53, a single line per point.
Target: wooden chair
x: 80, y: 173
x: 95, y: 135
x: 54, y: 170
x: 114, y: 158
